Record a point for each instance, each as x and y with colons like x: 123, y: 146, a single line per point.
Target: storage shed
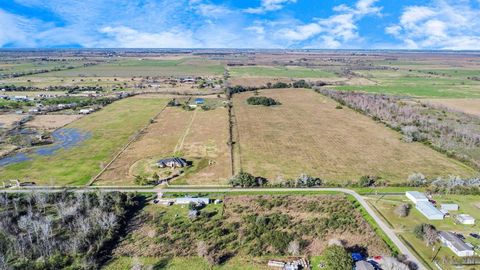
x: 429, y: 210
x: 416, y: 196
x: 465, y: 219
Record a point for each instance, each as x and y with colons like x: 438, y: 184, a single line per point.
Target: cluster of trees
x: 304, y: 180
x: 69, y: 89
x: 427, y: 232
x: 445, y: 185
x: 452, y: 132
x: 244, y: 179
x: 58, y: 230
x: 79, y: 101
x: 297, y: 84
x: 260, y: 100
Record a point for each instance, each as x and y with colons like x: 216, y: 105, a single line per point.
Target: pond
x: 64, y: 138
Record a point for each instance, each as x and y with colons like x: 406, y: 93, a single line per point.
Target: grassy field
x: 405, y: 82
x: 385, y: 205
x: 470, y: 106
x: 306, y: 134
x: 285, y: 72
x: 198, y: 136
x: 146, y: 67
x: 110, y: 129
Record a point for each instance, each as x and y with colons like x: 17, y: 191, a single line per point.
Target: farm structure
x: 465, y: 219
x: 307, y: 134
x: 424, y: 206
x: 456, y: 244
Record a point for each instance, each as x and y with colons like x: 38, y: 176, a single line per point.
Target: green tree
x: 337, y: 258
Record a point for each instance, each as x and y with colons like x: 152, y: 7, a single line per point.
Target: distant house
x: 465, y: 219
x: 456, y: 244
x: 172, y: 163
x: 416, y: 196
x: 363, y: 265
x: 199, y: 101
x: 429, y: 211
x: 192, y: 200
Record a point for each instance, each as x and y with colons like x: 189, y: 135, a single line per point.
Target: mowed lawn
x: 110, y: 130
x: 145, y: 67
x: 280, y: 71
x: 198, y: 136
x: 307, y: 134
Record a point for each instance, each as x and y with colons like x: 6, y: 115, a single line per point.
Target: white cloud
x: 125, y: 37
x: 334, y: 31
x: 442, y: 24
x: 269, y: 5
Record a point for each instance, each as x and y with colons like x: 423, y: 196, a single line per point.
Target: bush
x: 280, y: 85
x: 265, y: 101
x: 367, y: 180
x: 244, y: 179
x: 301, y: 84
x: 337, y: 258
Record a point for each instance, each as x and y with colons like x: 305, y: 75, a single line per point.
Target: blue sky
x: 321, y: 24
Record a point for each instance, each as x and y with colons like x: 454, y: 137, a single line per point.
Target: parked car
x: 474, y: 235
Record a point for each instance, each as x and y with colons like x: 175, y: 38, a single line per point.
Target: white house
x: 465, y: 219
x: 456, y: 244
x: 416, y: 196
x: 192, y: 200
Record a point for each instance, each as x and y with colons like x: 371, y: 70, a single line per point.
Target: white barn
x: 416, y: 196
x: 456, y: 244
x: 465, y: 219
x: 429, y: 211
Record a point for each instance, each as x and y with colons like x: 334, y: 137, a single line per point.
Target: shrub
x: 244, y: 179
x: 337, y: 258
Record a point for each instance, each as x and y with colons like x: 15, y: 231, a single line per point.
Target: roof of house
x: 428, y: 209
x: 363, y: 265
x: 449, y: 206
x: 417, y: 195
x: 174, y: 159
x: 193, y: 200
x: 455, y: 241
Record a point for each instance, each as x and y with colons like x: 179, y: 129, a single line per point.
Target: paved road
x: 389, y: 232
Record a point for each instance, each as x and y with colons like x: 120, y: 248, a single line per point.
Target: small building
x: 465, y: 219
x: 363, y: 265
x: 192, y: 200
x: 86, y: 111
x: 456, y: 244
x: 447, y: 207
x: 277, y: 264
x: 416, y: 196
x: 199, y: 101
x: 172, y: 163
x: 429, y: 210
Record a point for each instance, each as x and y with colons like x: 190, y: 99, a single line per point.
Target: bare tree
x: 402, y: 210
x: 430, y: 235
x: 202, y: 249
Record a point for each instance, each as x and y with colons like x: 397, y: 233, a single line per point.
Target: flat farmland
x: 145, y: 67
x: 470, y: 106
x: 108, y: 130
x: 198, y: 136
x: 307, y: 134
x: 280, y: 71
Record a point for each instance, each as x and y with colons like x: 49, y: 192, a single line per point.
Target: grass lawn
x: 403, y: 82
x: 286, y: 72
x: 307, y: 134
x: 110, y: 129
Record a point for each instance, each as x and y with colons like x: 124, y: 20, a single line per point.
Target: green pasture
x: 286, y: 72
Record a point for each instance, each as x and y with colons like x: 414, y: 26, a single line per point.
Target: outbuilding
x: 456, y: 244
x: 429, y: 210
x: 449, y: 207
x: 465, y: 219
x: 199, y: 101
x: 192, y: 200
x: 363, y: 265
x: 416, y: 196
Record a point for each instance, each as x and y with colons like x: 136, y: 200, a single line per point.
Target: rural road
x: 389, y: 232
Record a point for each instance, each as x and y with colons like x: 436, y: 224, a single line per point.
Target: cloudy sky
x: 322, y: 24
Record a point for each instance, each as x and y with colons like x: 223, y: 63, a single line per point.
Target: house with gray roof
x: 456, y: 244
x: 173, y: 162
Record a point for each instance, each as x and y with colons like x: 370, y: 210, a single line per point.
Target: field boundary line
x: 135, y: 137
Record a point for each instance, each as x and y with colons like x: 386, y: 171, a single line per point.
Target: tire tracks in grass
x: 181, y: 141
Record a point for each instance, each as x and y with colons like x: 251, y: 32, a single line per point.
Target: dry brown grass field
x: 52, y: 121
x: 470, y: 106
x: 7, y: 120
x: 198, y: 136
x: 307, y: 134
